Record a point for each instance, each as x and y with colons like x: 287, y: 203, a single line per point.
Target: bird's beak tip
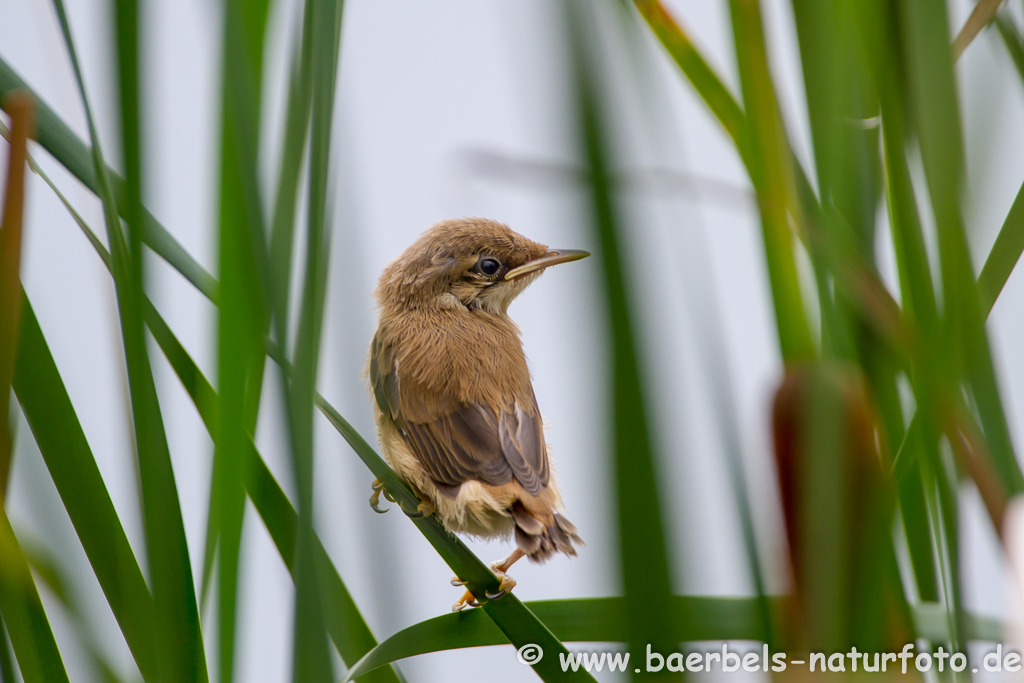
x: 552, y: 258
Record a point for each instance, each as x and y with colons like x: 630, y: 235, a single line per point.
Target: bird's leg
x: 499, y: 569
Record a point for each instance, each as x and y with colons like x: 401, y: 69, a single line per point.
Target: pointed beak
x: 553, y: 257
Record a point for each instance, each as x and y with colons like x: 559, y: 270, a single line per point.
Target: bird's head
x: 469, y: 263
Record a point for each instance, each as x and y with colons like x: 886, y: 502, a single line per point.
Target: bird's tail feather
x: 538, y: 540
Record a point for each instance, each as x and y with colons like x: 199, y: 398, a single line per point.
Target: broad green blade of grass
x: 934, y: 103
x: 772, y: 175
x: 310, y: 660
x: 582, y: 620
x: 22, y: 122
x: 34, y: 646
x: 846, y: 161
x: 58, y: 433
x: 76, y: 156
x: 841, y: 109
x: 176, y: 615
x: 825, y: 64
x: 646, y: 574
x: 598, y: 620
x: 241, y: 309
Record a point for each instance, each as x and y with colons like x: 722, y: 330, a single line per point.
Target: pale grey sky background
x: 425, y: 91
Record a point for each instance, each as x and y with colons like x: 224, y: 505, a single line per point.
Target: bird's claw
x: 378, y: 487
x: 467, y: 600
x: 507, y: 583
x: 422, y: 510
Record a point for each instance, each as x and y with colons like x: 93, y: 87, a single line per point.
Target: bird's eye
x: 488, y: 266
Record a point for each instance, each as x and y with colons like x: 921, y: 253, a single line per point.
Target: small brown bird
x: 456, y: 414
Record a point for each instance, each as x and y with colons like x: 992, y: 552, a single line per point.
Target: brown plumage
x: 455, y: 408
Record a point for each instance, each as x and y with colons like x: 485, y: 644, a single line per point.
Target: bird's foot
x: 422, y: 510
x: 507, y: 583
x: 467, y: 600
x: 378, y: 488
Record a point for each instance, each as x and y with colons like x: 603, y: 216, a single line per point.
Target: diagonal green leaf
x: 62, y: 443
x: 34, y: 646
x: 599, y: 620
x: 1004, y: 255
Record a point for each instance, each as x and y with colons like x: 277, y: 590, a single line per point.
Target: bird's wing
x: 384, y: 376
x: 464, y: 441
